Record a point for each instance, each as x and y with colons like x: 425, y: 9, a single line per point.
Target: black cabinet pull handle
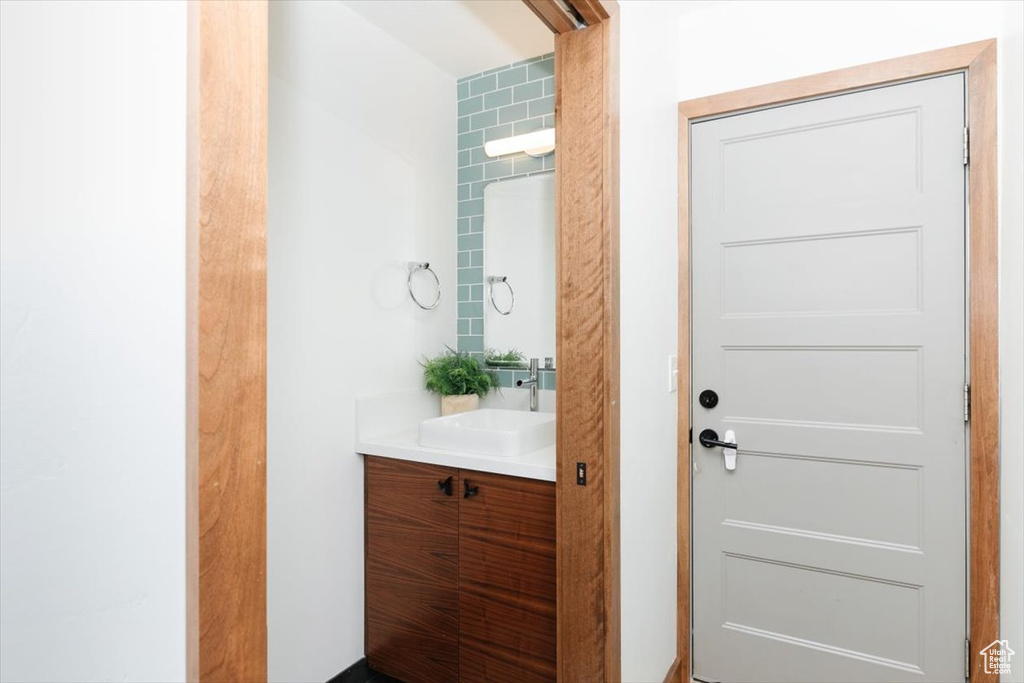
x: 470, y: 490
x: 446, y: 486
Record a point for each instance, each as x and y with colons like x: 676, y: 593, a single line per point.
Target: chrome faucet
x: 532, y: 383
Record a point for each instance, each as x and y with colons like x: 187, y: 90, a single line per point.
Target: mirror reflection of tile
x: 509, y: 100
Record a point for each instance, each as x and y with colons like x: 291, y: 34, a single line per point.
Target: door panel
x: 828, y: 312
x: 756, y: 274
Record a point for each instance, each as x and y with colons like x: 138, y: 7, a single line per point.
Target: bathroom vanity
x: 460, y: 573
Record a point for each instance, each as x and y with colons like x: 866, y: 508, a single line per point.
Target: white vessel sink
x: 504, y: 433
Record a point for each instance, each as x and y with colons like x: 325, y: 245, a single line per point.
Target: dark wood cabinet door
x: 506, y: 579
x: 412, y: 567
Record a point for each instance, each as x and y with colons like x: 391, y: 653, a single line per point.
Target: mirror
x: 519, y: 266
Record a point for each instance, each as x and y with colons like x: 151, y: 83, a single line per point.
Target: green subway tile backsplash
x: 471, y: 106
x: 505, y: 379
x: 497, y: 103
x: 513, y: 113
x: 471, y: 344
x: 471, y: 276
x: 498, y: 132
x: 469, y: 140
x: 474, y: 207
x: 484, y: 84
x: 528, y: 91
x: 471, y: 174
x: 540, y: 107
x: 477, y: 191
x: 485, y: 119
x: 498, y: 98
x: 498, y: 169
x: 537, y: 70
x: 528, y: 126
x: 525, y: 164
x: 471, y: 242
x: 471, y: 309
x: 513, y: 77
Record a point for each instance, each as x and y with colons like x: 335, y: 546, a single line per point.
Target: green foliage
x: 510, y: 356
x: 455, y: 373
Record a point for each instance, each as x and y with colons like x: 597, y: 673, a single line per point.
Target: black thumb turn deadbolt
x: 708, y: 398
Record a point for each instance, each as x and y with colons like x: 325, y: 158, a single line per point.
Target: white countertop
x: 405, y: 446
x: 387, y: 426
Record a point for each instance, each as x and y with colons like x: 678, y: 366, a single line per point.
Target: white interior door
x: 828, y: 309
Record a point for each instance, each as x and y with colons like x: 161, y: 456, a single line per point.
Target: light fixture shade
x: 536, y: 144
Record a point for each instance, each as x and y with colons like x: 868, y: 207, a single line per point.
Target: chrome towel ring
x: 493, y: 280
x: 416, y: 266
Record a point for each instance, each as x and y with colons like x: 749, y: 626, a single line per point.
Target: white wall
x: 734, y: 45
x: 362, y: 147
x: 648, y: 305
x: 92, y: 341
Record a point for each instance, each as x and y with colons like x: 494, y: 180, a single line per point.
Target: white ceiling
x: 462, y: 37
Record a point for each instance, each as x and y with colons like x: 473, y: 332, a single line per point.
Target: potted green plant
x: 460, y: 380
x: 513, y: 358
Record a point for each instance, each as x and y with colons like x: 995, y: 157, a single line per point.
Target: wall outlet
x: 673, y: 374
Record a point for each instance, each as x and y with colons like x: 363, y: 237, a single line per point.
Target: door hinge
x: 967, y: 403
x: 967, y: 658
x: 967, y: 146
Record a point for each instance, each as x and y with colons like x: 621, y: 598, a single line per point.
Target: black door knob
x: 470, y: 490
x: 709, y: 439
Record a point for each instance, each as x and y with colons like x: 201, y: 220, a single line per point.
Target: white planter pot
x: 459, y: 404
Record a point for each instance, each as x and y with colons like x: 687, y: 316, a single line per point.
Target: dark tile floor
x: 360, y: 672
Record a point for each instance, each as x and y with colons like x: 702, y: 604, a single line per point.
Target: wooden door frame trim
x: 978, y: 60
x: 226, y: 632
x: 587, y: 341
x: 226, y: 348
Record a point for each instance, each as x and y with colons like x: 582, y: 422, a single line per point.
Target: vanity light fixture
x: 536, y: 144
